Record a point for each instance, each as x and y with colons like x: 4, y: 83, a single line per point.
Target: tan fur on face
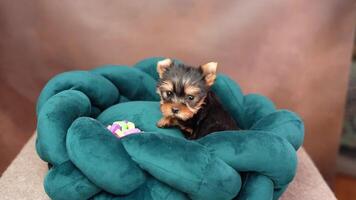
x: 166, y: 86
x: 197, y: 107
x: 192, y: 90
x: 183, y: 114
x: 163, y: 65
x: 209, y: 72
x: 166, y: 109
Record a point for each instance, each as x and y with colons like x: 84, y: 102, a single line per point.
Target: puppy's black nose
x: 175, y: 110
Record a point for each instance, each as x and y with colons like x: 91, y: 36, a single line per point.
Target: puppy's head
x: 183, y: 88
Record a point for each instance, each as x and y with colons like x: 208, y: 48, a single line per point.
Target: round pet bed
x: 89, y: 162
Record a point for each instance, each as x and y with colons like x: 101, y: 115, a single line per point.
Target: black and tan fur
x: 188, y: 102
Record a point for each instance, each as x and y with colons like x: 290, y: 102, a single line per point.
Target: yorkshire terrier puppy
x: 188, y: 102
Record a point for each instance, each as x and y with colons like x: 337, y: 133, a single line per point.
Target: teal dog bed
x: 89, y: 162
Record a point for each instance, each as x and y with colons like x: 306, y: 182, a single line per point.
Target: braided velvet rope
x: 90, y: 163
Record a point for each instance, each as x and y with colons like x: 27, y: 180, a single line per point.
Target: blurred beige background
x: 295, y: 52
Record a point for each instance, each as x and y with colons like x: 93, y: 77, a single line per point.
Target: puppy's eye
x: 169, y: 93
x: 190, y: 97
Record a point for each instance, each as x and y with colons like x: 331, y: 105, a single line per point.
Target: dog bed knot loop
x: 89, y: 162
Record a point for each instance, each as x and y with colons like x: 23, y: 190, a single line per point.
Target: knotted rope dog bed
x: 89, y: 162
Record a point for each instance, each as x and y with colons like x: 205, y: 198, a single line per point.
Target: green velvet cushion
x: 89, y: 162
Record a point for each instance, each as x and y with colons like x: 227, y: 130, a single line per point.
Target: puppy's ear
x: 163, y: 65
x: 209, y: 72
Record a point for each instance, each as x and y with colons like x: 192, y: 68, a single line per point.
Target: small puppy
x: 188, y: 102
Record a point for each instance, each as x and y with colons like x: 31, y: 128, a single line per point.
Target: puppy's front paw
x: 191, y: 137
x: 188, y: 131
x: 164, y: 122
